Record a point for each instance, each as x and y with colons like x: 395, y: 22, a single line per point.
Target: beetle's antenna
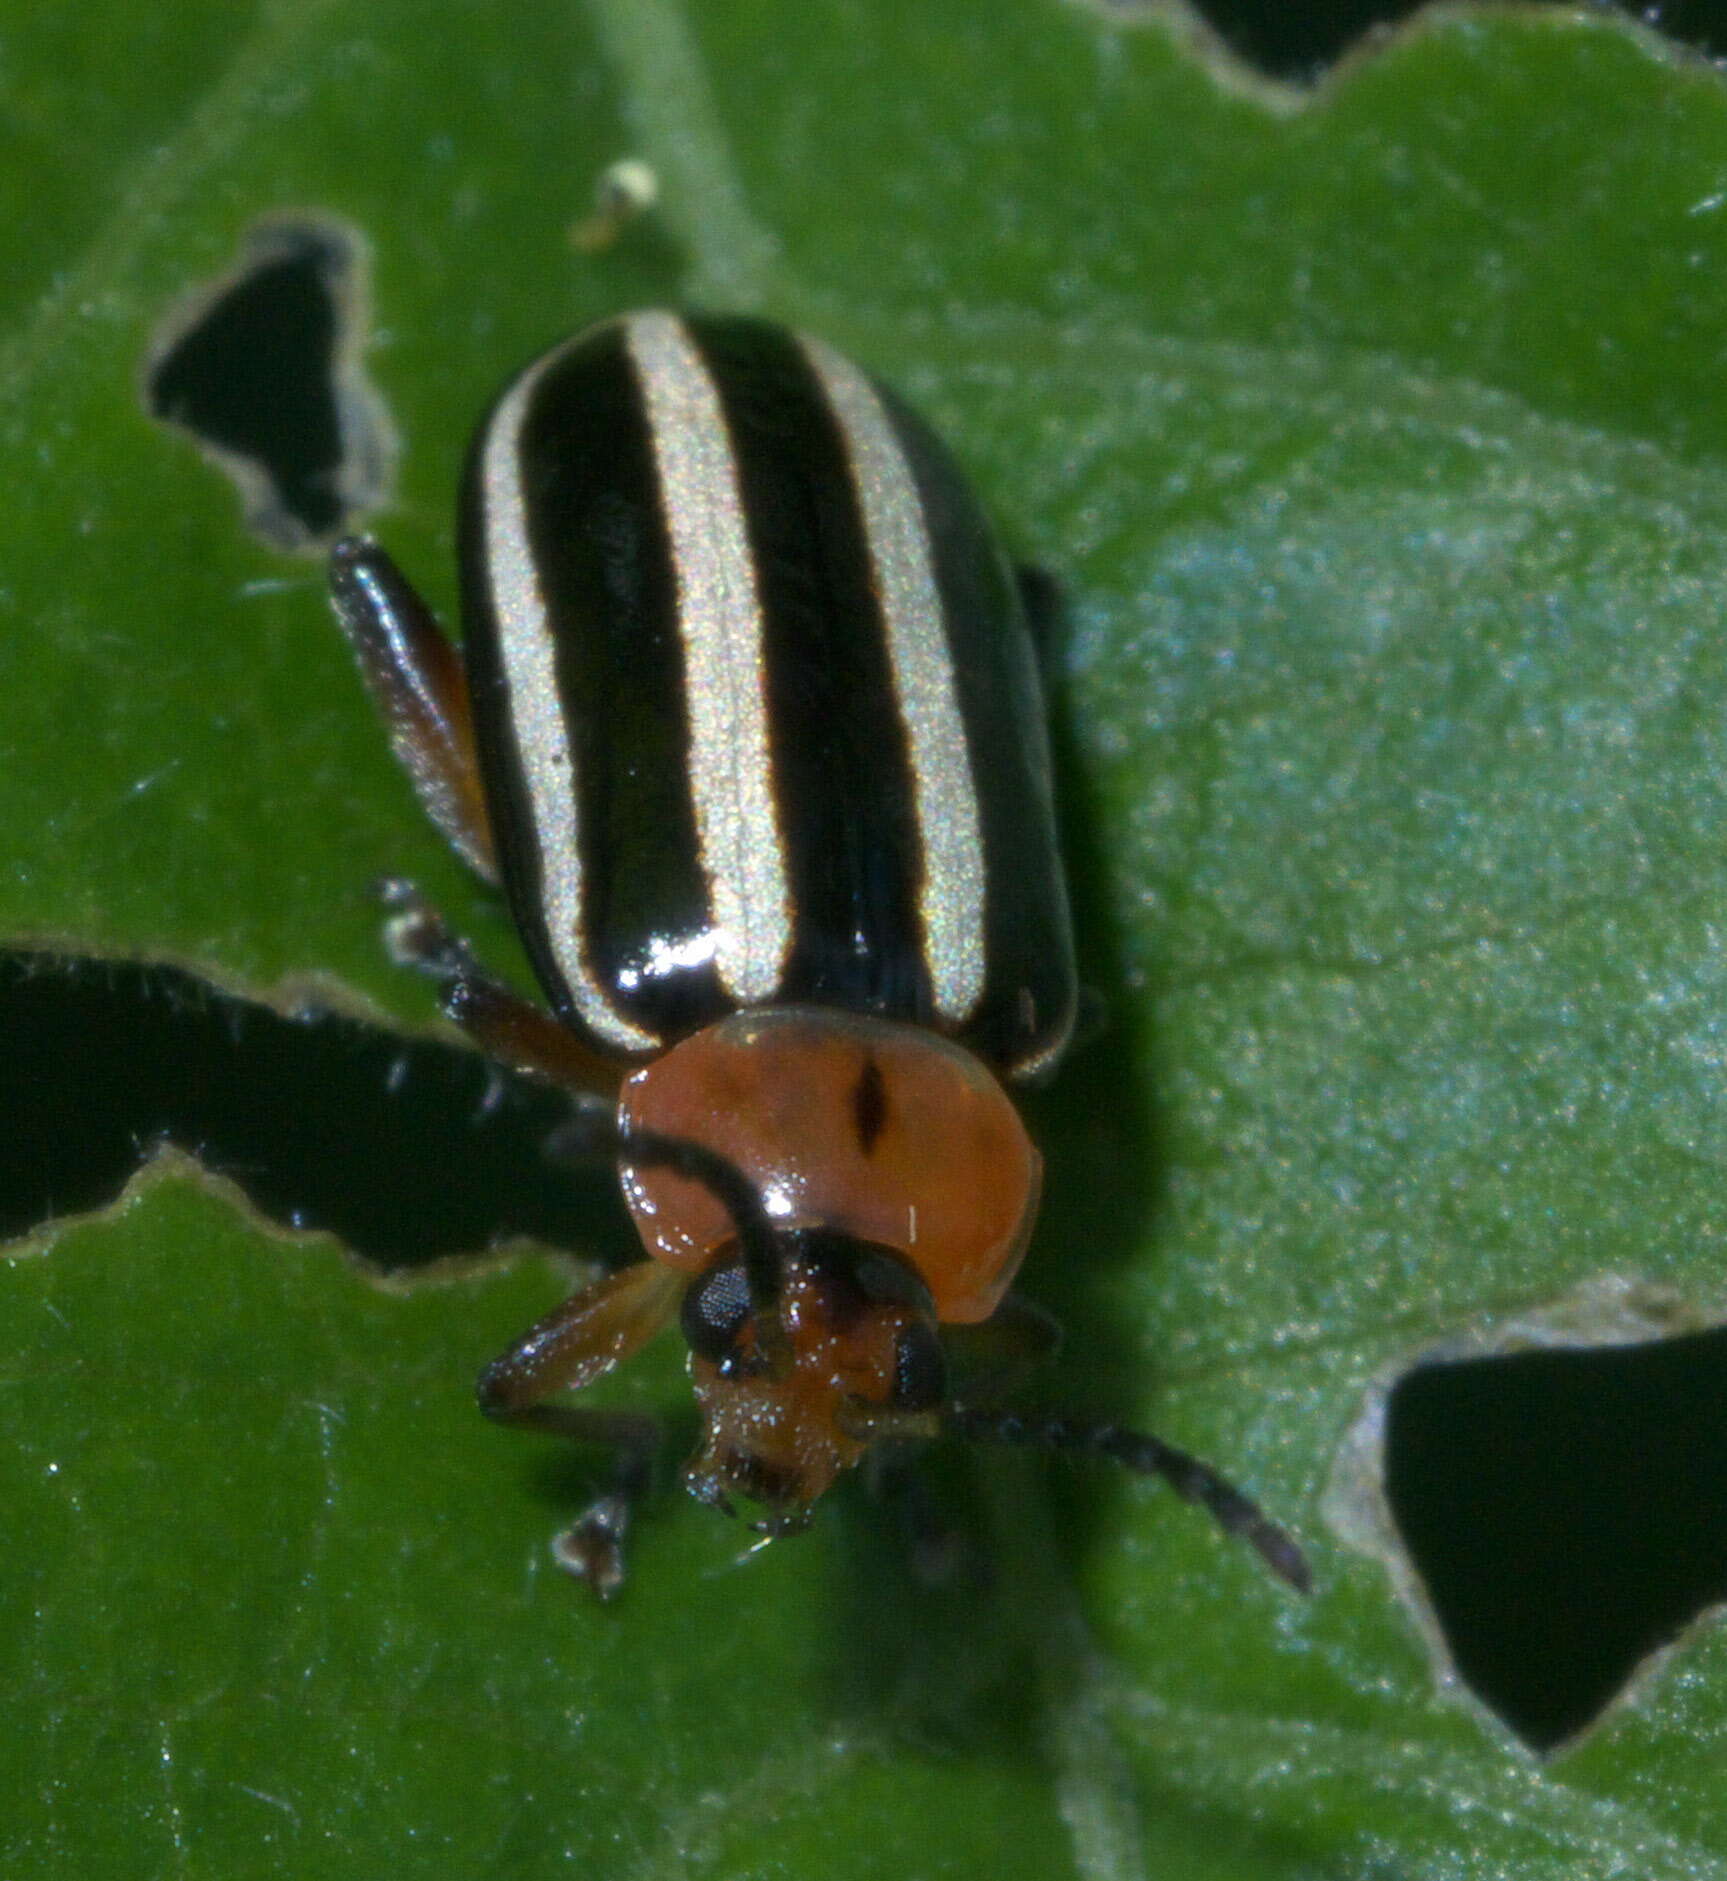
x: 593, y: 1129
x: 1145, y: 1455
x: 419, y: 937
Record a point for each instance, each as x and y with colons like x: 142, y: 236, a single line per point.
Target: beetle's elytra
x: 747, y: 724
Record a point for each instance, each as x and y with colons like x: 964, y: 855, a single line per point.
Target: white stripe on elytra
x: 951, y: 894
x: 719, y: 617
x: 536, y: 708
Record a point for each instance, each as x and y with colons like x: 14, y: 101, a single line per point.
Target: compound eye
x: 919, y: 1369
x: 715, y: 1311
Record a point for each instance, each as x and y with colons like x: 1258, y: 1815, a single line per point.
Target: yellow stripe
x: 902, y: 561
x: 719, y: 617
x: 536, y: 708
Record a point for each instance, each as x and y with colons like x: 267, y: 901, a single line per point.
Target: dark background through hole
x: 254, y: 375
x: 407, y: 1150
x: 1565, y: 1508
x: 1298, y: 39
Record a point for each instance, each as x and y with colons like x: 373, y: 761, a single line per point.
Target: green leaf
x: 1376, y: 442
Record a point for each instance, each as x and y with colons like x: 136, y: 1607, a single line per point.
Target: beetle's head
x: 854, y: 1354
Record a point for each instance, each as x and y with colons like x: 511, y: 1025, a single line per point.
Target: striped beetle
x: 747, y: 724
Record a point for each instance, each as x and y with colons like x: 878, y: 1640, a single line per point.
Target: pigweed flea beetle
x: 746, y: 724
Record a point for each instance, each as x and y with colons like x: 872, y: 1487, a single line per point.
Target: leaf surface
x: 1377, y: 447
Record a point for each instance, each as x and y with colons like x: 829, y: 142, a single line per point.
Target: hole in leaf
x: 1299, y: 41
x: 407, y: 1150
x: 262, y: 367
x: 1565, y: 1510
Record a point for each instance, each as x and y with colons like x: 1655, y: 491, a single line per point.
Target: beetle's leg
x: 592, y: 1547
x: 517, y: 1033
x: 505, y: 1025
x: 418, y: 682
x: 940, y: 1552
x: 582, y: 1340
x: 592, y: 1332
x: 1145, y: 1455
x: 595, y: 1131
x: 989, y: 1359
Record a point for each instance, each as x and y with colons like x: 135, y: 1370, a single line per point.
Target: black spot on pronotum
x: 263, y: 367
x: 869, y: 1106
x: 1564, y: 1507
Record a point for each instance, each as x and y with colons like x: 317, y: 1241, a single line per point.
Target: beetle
x: 747, y: 724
